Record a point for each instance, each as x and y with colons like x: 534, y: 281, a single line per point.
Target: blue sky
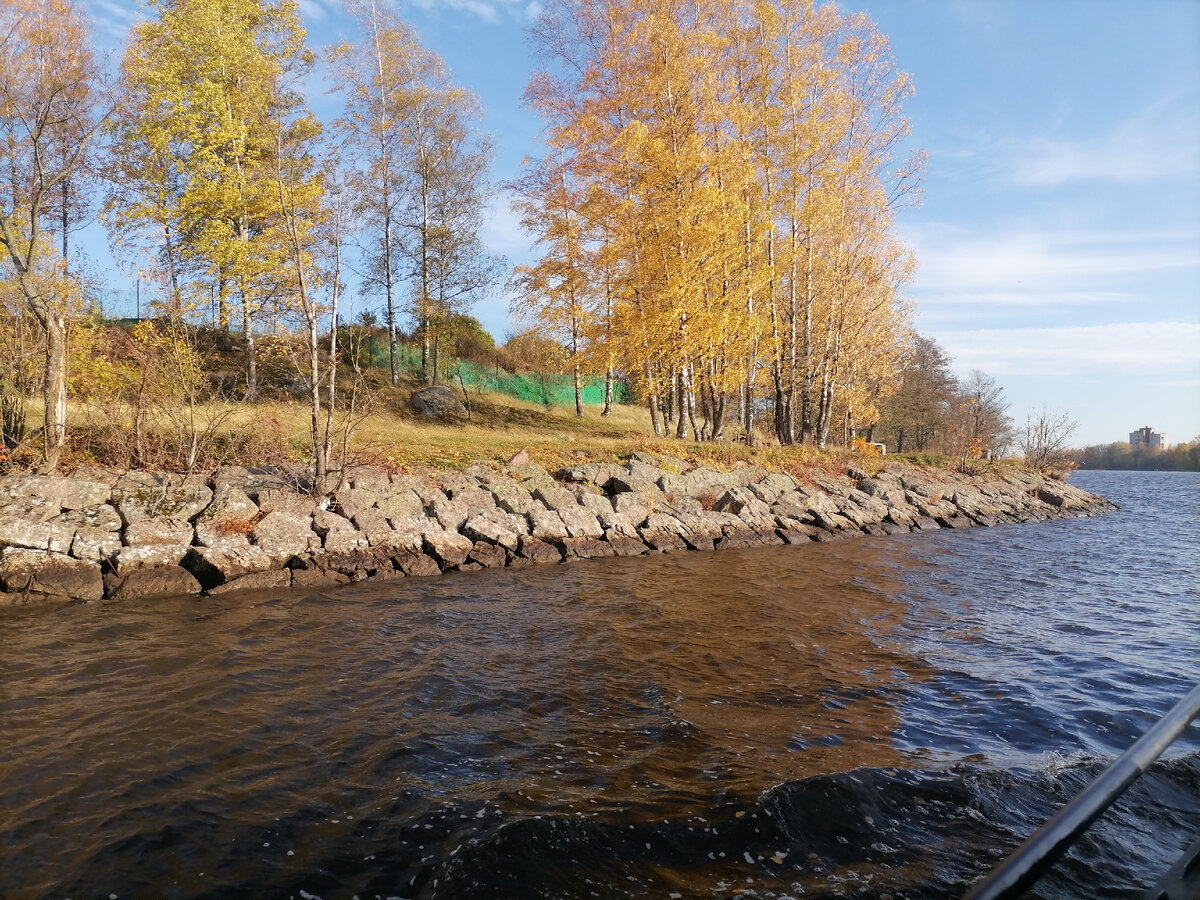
x: 1059, y: 233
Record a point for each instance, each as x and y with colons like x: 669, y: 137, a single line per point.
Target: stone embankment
x: 102, y: 534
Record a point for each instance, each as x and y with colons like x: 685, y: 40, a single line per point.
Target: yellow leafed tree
x: 202, y: 84
x: 734, y: 160
x: 51, y: 103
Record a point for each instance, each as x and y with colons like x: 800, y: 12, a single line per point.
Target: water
x: 858, y: 719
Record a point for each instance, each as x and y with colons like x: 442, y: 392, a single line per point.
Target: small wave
x: 916, y: 834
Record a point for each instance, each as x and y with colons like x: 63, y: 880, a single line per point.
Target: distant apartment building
x: 1150, y: 440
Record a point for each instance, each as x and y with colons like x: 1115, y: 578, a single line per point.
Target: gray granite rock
x: 158, y: 530
x: 230, y: 512
x: 285, y: 534
x: 484, y: 529
x: 440, y: 402
x: 101, y: 518
x: 449, y: 548
x: 547, y: 525
x: 140, y: 496
x: 149, y: 556
x: 65, y: 493
x: 403, y: 504
x: 49, y: 535
x: 26, y: 571
x: 95, y: 544
x: 216, y: 565
x: 538, y: 551
x: 152, y: 584
x: 580, y: 523
x: 351, y: 501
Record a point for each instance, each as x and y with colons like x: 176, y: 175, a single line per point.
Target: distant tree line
x: 1122, y: 455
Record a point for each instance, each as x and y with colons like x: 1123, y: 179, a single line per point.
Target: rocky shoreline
x: 100, y: 534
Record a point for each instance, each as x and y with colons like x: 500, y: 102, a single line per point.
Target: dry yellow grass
x: 390, y: 434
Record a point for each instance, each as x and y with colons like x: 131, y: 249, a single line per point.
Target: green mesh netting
x: 532, y: 387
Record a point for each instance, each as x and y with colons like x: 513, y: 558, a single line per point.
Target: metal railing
x: 1040, y: 851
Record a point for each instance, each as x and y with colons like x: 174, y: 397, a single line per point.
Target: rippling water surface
x: 861, y: 718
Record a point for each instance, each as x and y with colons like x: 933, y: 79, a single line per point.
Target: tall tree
x: 559, y: 288
x: 202, y: 84
x: 984, y: 425
x: 424, y: 174
x: 919, y: 411
x: 299, y: 213
x: 735, y: 157
x: 51, y: 104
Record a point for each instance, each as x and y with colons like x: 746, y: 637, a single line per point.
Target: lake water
x: 884, y: 716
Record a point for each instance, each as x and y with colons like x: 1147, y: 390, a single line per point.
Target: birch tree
x: 735, y: 159
x: 202, y: 82
x: 424, y: 175
x: 51, y: 102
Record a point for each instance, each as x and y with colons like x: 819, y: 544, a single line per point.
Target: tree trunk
x: 54, y: 391
x: 652, y: 401
x: 608, y: 371
x: 331, y: 400
x: 320, y: 465
x: 681, y: 404
x: 393, y: 343
x: 251, y: 352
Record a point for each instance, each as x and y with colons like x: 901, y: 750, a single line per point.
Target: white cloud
x: 502, y: 232
x: 113, y: 19
x: 312, y: 10
x: 1157, y: 143
x: 1038, y: 266
x: 490, y: 11
x: 1130, y: 348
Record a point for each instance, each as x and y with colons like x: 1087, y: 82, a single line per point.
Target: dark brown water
x: 879, y: 716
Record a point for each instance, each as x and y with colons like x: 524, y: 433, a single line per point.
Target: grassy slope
x: 389, y: 433
x: 500, y: 426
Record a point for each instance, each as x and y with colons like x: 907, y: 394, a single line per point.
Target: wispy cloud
x: 312, y: 10
x: 1157, y: 143
x: 1039, y: 266
x: 490, y: 11
x: 112, y: 18
x: 502, y: 232
x: 1141, y: 348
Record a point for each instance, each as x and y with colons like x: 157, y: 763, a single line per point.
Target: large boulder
x: 25, y: 571
x: 95, y: 544
x: 285, y: 534
x: 53, y: 536
x: 230, y: 513
x: 66, y: 493
x: 158, y: 530
x: 216, y: 565
x: 449, y: 548
x: 146, y: 584
x: 140, y: 496
x: 438, y: 402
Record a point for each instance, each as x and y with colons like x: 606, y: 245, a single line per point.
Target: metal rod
x: 1040, y: 850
